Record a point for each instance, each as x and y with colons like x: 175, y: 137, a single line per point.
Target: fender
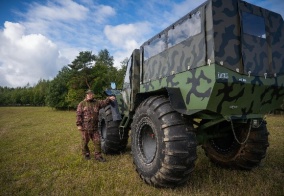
x: 174, y: 95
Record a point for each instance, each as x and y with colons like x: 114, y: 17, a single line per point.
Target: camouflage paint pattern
x: 242, y: 51
x: 87, y: 116
x: 87, y: 113
x: 220, y: 90
x: 221, y: 70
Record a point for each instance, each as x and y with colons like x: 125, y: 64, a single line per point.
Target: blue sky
x: 39, y: 37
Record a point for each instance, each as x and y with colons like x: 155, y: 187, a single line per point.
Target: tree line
x: 67, y: 89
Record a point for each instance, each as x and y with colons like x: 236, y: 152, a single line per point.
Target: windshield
x: 127, y: 74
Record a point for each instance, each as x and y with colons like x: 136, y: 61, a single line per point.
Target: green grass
x: 40, y: 155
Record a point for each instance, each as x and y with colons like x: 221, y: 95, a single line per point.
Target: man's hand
x: 80, y: 128
x: 112, y: 98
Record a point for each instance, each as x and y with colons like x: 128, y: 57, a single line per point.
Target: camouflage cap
x: 89, y: 91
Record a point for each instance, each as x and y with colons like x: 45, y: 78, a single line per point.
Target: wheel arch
x: 174, y: 95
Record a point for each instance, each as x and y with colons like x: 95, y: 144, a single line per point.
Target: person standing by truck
x: 87, y: 123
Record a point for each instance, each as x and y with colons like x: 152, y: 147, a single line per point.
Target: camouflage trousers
x: 94, y: 136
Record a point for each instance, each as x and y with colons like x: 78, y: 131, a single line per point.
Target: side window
x: 179, y: 32
x: 253, y: 25
x: 155, y: 46
x: 187, y: 28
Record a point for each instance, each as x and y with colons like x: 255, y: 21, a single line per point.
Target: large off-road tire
x: 241, y: 154
x: 163, y: 147
x: 113, y: 141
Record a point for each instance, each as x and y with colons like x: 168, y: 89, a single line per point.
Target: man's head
x: 89, y: 91
x: 89, y: 94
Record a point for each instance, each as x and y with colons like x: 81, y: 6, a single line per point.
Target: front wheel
x: 163, y: 147
x: 113, y: 141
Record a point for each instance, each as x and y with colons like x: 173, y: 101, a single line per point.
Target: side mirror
x: 113, y: 91
x: 113, y: 85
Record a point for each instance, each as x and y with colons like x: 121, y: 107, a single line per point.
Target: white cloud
x: 13, y: 31
x: 102, y: 12
x: 56, y: 19
x: 57, y: 10
x: 74, y: 27
x: 125, y: 38
x: 186, y: 6
x: 122, y: 34
x: 26, y: 58
x: 49, y: 37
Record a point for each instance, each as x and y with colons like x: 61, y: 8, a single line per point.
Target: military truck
x: 209, y: 79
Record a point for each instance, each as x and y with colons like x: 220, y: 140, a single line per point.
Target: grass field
x: 40, y: 155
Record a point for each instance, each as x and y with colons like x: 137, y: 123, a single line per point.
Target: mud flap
x: 176, y: 100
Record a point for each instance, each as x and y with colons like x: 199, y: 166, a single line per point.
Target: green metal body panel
x: 220, y: 90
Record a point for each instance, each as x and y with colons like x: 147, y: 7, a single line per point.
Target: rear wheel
x: 243, y: 150
x: 163, y: 148
x: 113, y: 141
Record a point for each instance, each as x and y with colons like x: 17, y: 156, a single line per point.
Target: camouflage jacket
x: 88, y: 112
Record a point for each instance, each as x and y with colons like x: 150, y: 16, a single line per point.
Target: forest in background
x: 67, y: 88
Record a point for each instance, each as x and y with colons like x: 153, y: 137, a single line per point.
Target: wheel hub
x: 147, y: 143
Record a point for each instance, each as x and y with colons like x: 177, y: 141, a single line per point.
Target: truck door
x: 131, y: 80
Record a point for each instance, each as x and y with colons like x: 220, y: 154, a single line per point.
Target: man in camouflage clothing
x: 87, y: 123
